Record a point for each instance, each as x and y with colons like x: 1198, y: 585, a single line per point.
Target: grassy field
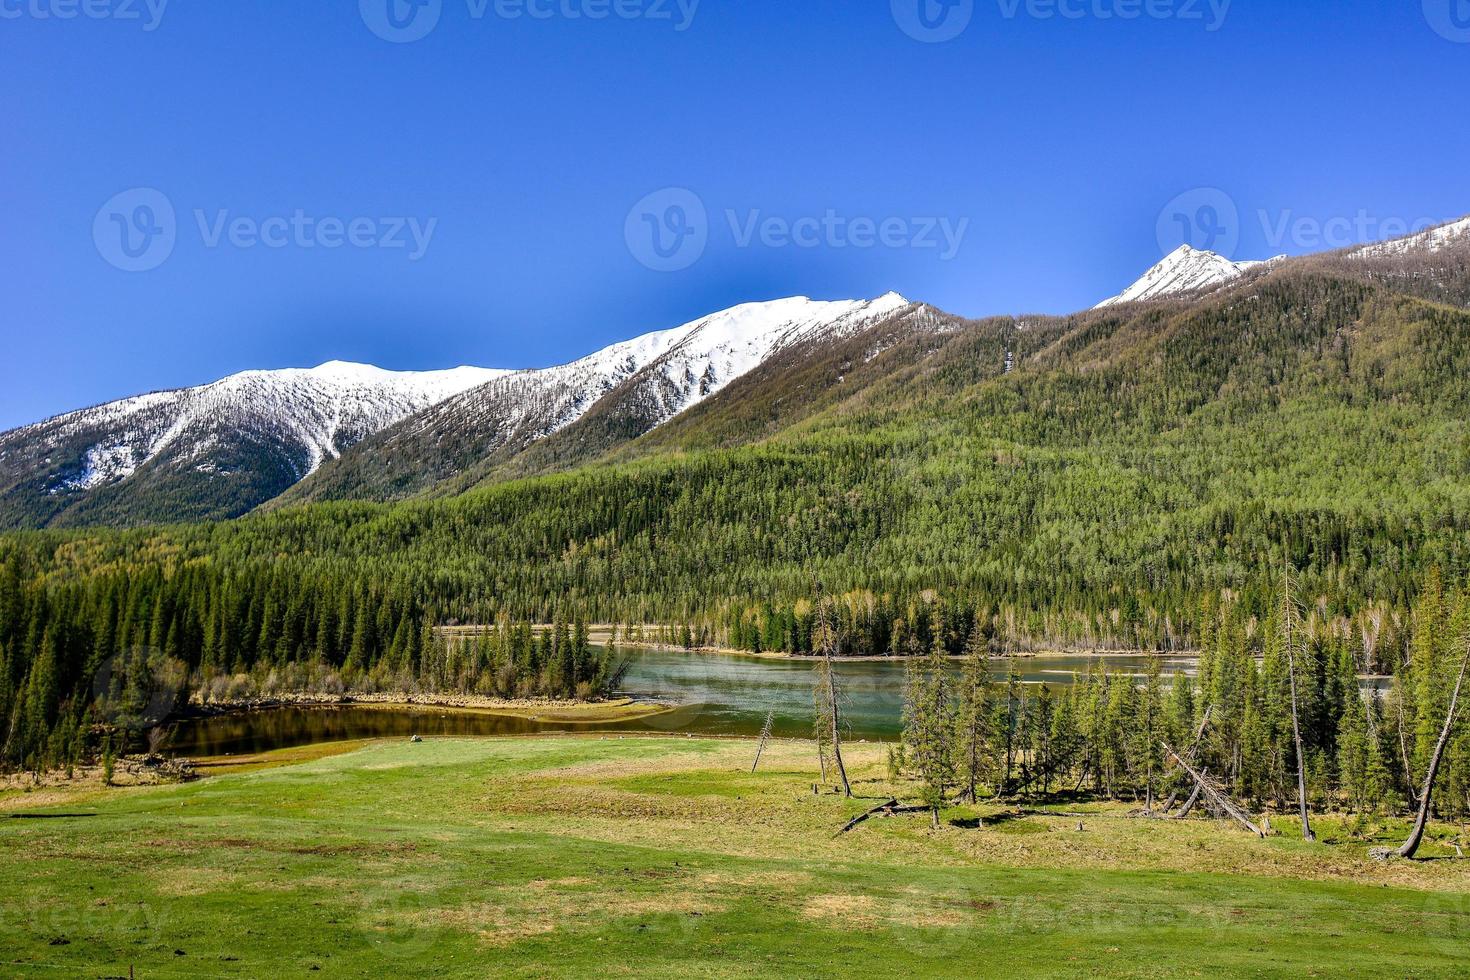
x: 651, y: 856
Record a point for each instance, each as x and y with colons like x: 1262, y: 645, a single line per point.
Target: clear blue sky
x: 1058, y: 139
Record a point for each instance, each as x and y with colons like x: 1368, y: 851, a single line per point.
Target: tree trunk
x: 1301, y: 763
x: 1416, y: 837
x: 1287, y: 615
x: 836, y: 734
x: 1188, y: 807
x: 765, y: 737
x: 1190, y: 754
x: 1216, y: 798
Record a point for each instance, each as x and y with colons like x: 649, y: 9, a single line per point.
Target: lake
x: 716, y: 694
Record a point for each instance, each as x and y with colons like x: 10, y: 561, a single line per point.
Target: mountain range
x: 346, y: 431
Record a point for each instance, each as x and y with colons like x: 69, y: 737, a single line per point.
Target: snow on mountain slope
x: 691, y: 362
x: 726, y: 345
x: 1183, y: 270
x: 663, y: 373
x: 1433, y: 240
x: 286, y: 421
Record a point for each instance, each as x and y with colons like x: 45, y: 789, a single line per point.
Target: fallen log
x: 1188, y: 806
x: 1190, y: 753
x: 886, y: 804
x: 1215, y: 796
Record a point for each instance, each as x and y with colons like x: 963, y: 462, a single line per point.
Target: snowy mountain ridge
x: 647, y: 381
x: 1183, y: 270
x: 323, y: 409
x: 277, y: 427
x: 1431, y: 240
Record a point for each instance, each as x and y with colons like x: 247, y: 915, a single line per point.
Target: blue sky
x: 828, y: 143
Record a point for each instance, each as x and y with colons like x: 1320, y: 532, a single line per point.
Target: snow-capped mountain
x: 258, y: 429
x: 1183, y: 270
x: 1432, y: 240
x: 720, y: 348
x: 221, y: 449
x: 664, y: 373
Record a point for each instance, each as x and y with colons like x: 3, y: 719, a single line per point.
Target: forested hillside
x: 1089, y: 480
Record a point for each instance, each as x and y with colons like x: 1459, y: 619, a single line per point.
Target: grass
x: 657, y: 856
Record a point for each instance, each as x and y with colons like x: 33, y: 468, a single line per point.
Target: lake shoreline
x: 897, y: 657
x: 531, y: 709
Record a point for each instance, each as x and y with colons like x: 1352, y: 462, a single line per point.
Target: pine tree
x: 1149, y: 725
x: 929, y: 727
x: 972, y: 717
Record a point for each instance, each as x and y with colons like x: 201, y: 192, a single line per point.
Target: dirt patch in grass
x: 511, y: 913
x: 191, y: 882
x: 908, y: 908
x: 186, y: 845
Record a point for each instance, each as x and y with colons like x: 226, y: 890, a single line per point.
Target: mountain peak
x: 1183, y: 270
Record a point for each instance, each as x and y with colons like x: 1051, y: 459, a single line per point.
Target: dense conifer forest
x: 1136, y: 478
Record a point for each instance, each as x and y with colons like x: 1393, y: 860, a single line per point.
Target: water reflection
x: 716, y: 694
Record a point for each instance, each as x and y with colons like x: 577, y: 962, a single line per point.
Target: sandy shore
x: 535, y: 709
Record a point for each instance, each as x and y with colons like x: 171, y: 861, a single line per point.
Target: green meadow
x: 666, y: 857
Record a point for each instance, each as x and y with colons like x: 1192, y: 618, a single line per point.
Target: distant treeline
x: 123, y: 647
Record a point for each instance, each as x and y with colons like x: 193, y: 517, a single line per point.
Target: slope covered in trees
x: 1086, y: 480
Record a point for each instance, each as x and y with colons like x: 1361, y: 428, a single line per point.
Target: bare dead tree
x: 765, y: 737
x: 1190, y: 753
x: 1188, y: 806
x: 1289, y: 631
x: 1216, y: 797
x: 1416, y: 837
x: 826, y: 644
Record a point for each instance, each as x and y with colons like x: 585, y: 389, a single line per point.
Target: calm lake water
x: 716, y: 694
